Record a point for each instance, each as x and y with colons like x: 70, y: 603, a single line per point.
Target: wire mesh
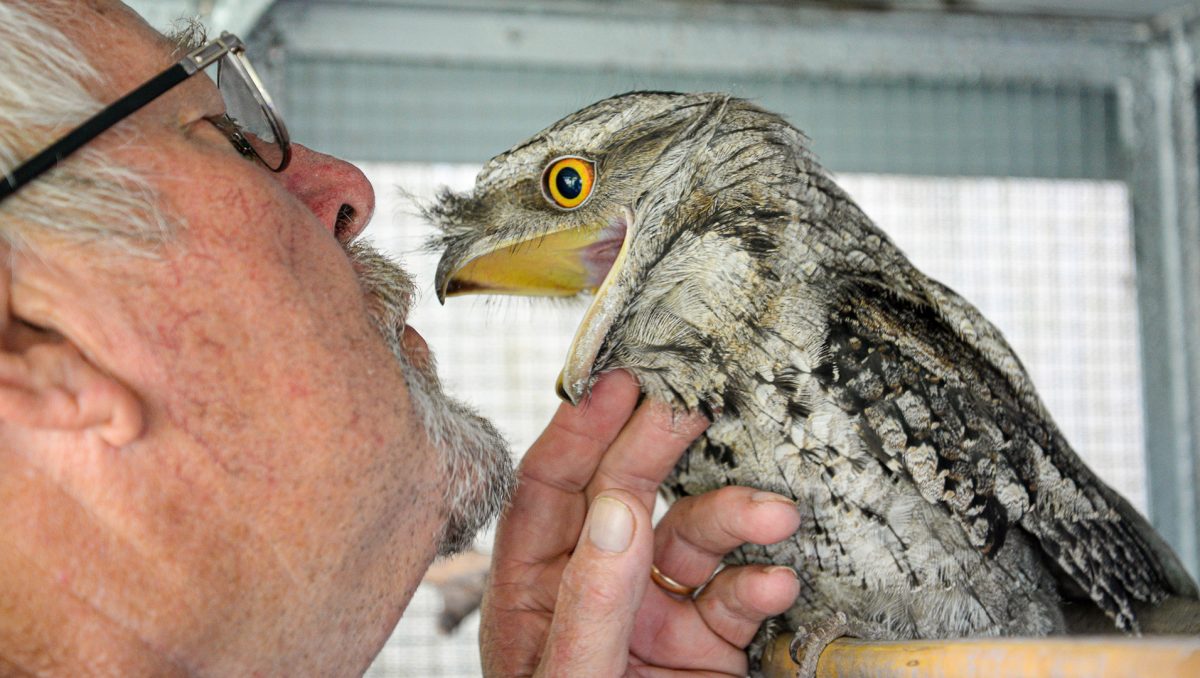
x: 1048, y: 261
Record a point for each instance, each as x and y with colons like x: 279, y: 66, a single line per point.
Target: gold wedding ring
x: 670, y: 585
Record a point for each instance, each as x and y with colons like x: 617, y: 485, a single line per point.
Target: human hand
x: 568, y: 594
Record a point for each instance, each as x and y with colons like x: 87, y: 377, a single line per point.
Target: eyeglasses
x: 250, y: 121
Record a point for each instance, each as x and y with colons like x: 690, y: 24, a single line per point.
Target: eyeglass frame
x: 195, y: 62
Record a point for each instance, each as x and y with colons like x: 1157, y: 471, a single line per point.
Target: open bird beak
x: 545, y: 266
x: 563, y: 263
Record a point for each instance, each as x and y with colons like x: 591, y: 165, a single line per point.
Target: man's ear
x: 52, y: 386
x: 46, y: 383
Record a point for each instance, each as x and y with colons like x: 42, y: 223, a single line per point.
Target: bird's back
x: 934, y: 480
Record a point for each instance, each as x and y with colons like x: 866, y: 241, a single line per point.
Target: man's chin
x: 480, y: 481
x: 477, y: 466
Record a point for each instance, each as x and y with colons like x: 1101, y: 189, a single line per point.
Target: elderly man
x: 222, y: 451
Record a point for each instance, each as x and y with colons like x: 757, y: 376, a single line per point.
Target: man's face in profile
x: 299, y: 467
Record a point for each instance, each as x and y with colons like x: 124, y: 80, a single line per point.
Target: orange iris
x: 568, y: 181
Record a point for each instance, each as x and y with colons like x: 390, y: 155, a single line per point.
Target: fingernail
x: 610, y: 525
x: 777, y: 568
x: 764, y: 497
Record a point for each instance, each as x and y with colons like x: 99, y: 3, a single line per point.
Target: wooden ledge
x: 1061, y: 657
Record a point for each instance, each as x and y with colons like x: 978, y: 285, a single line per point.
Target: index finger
x: 646, y: 450
x: 549, y: 506
x: 568, y: 452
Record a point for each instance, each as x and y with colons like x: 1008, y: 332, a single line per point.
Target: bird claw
x: 807, y: 645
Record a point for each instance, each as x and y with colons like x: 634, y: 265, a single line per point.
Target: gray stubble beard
x: 477, y: 466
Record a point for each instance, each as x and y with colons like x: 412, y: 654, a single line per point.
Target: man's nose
x: 336, y: 191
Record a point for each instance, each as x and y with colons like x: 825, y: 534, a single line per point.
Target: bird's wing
x: 943, y: 400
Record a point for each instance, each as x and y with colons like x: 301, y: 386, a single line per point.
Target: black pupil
x: 569, y: 183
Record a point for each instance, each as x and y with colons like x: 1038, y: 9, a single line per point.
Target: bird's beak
x: 550, y: 265
x: 562, y: 263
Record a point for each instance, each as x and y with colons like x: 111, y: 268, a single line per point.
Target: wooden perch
x: 1061, y: 657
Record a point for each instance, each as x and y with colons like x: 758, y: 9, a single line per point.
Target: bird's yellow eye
x: 568, y: 181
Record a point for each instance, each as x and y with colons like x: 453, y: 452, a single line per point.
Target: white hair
x: 44, y: 93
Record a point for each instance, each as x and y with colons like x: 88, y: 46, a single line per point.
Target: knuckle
x: 683, y: 426
x: 595, y: 589
x: 613, y: 480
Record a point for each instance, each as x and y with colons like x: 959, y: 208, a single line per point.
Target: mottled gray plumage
x: 939, y: 498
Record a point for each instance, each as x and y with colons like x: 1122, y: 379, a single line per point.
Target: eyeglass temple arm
x: 95, y: 126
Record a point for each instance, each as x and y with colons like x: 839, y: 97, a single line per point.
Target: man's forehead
x: 120, y: 42
x: 126, y: 50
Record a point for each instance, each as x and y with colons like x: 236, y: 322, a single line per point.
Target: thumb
x: 601, y: 590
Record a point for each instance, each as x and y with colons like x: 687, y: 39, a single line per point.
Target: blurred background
x: 1039, y: 156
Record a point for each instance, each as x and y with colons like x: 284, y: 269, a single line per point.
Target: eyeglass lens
x: 245, y: 105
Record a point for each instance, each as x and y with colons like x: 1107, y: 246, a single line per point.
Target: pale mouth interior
x: 604, y: 259
x: 599, y: 257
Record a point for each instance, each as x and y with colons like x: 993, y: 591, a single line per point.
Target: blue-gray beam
x: 715, y: 38
x: 1159, y: 113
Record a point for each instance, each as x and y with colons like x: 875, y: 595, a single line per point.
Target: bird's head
x: 621, y: 200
